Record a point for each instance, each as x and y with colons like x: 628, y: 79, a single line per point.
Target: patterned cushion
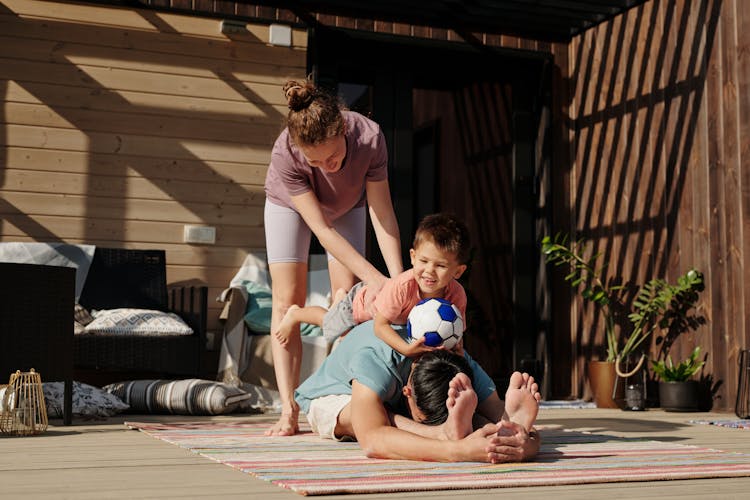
x: 179, y: 397
x: 81, y: 315
x: 81, y: 318
x: 88, y: 401
x: 137, y: 322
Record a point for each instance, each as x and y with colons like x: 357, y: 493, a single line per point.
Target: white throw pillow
x: 137, y: 322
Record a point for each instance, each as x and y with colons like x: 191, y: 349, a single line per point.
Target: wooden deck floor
x: 106, y: 460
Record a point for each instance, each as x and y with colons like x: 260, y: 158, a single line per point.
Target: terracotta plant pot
x: 602, y: 378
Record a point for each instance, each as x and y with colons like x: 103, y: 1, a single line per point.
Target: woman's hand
x: 374, y: 285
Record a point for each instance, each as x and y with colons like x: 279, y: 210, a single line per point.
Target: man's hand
x: 511, y: 443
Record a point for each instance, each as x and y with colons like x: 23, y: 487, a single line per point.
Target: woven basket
x: 22, y: 409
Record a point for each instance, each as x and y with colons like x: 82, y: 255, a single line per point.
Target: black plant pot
x: 679, y: 396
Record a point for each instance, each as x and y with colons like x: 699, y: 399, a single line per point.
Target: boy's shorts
x: 324, y: 414
x: 340, y: 317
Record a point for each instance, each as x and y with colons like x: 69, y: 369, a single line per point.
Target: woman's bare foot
x: 287, y: 324
x: 461, y: 403
x: 287, y: 425
x: 522, y: 399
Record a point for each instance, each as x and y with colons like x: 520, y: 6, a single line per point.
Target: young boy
x: 439, y: 256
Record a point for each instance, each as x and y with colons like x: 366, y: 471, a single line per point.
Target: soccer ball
x: 438, y: 321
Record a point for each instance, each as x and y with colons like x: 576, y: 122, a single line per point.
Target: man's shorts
x: 324, y: 413
x: 340, y: 317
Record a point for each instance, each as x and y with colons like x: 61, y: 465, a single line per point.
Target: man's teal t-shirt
x: 369, y: 360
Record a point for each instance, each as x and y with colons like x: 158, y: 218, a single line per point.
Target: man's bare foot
x: 522, y: 399
x: 461, y: 403
x: 287, y: 324
x: 287, y: 425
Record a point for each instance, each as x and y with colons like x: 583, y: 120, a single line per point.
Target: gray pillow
x: 180, y: 397
x: 88, y: 401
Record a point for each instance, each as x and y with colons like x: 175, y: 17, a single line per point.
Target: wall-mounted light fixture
x: 229, y: 27
x: 280, y: 34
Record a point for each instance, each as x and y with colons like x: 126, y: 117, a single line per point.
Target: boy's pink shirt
x: 399, y: 295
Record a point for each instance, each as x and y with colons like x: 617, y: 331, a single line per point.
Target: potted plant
x: 656, y: 305
x: 667, y: 310
x: 677, y: 392
x: 583, y: 274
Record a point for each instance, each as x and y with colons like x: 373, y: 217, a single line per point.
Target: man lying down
x: 441, y: 406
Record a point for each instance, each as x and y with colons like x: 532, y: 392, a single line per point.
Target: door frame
x: 395, y: 65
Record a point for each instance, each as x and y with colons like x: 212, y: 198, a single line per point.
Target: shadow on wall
x: 640, y: 93
x: 183, y: 117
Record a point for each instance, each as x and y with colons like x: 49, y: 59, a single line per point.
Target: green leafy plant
x: 667, y: 308
x: 586, y: 275
x: 669, y: 372
x: 657, y: 305
x: 683, y: 314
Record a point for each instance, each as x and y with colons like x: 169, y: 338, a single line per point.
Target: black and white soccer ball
x: 438, y: 321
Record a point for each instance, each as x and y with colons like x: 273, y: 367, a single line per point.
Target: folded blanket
x: 51, y: 254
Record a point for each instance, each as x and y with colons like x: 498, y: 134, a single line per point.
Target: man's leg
x: 522, y: 400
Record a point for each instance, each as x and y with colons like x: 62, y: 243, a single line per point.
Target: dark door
x: 463, y: 133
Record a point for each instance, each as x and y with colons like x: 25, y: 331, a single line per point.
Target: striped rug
x: 309, y: 465
x: 734, y: 424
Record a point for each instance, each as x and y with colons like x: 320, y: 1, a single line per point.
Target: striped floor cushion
x: 179, y: 397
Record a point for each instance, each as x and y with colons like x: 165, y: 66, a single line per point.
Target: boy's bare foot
x: 338, y: 296
x: 287, y: 324
x: 287, y: 425
x: 461, y: 403
x: 522, y: 399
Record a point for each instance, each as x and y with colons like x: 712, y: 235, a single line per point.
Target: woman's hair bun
x: 299, y: 95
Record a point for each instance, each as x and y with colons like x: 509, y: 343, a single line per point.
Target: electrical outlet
x: 280, y: 34
x: 199, y: 234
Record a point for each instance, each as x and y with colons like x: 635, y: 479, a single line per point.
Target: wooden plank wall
x: 661, y: 114
x: 118, y: 126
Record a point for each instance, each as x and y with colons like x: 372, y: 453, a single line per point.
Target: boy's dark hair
x: 430, y: 380
x: 447, y: 232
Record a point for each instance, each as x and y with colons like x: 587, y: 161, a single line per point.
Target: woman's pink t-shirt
x: 399, y: 295
x: 366, y: 159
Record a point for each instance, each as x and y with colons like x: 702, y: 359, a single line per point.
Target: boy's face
x: 433, y: 269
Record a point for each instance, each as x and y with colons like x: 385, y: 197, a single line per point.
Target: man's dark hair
x: 430, y: 379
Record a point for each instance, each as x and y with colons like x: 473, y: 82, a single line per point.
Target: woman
x: 326, y: 166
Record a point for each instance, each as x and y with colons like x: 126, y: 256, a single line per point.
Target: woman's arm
x: 309, y: 208
x: 385, y: 225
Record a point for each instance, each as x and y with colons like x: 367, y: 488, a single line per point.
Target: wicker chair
x: 36, y: 327
x: 137, y: 279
